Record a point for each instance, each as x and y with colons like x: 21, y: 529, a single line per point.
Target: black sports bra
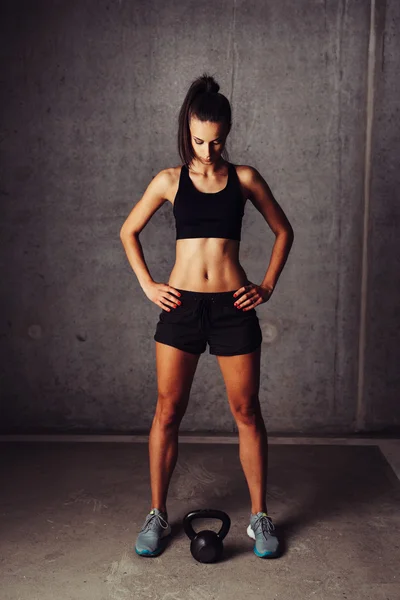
x: 203, y: 215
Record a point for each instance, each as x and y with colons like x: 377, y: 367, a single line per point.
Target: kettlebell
x: 206, y: 546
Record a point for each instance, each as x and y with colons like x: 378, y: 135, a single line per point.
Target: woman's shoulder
x: 244, y: 170
x: 170, y: 177
x: 246, y: 174
x: 170, y: 173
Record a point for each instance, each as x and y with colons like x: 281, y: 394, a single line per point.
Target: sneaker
x: 155, y: 528
x: 262, y: 530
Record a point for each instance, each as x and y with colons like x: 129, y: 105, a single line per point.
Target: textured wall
x: 90, y: 97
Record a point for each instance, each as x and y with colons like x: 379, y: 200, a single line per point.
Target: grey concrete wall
x: 90, y: 97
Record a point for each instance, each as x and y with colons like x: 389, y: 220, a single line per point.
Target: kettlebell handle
x: 207, y: 513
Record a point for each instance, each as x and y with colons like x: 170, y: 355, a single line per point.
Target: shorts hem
x: 236, y: 353
x: 179, y: 347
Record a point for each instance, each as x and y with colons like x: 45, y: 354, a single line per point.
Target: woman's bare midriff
x: 205, y: 264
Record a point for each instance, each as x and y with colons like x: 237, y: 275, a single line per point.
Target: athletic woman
x: 208, y: 299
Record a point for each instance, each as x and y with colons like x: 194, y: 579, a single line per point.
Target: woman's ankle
x: 163, y: 509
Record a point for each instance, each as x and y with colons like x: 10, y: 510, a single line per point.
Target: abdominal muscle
x: 207, y: 265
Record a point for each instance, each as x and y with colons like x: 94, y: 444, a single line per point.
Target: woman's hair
x: 204, y: 102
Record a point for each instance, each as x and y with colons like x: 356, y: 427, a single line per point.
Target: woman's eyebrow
x: 197, y: 138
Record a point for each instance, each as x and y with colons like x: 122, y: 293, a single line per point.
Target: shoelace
x: 266, y: 524
x: 152, y: 521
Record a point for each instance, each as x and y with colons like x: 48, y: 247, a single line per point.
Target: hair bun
x: 209, y: 84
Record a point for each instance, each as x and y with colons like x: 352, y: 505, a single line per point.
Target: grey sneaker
x: 155, y: 528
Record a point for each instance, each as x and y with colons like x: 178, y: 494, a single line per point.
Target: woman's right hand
x: 162, y: 294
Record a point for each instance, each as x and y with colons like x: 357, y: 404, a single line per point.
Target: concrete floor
x: 70, y: 511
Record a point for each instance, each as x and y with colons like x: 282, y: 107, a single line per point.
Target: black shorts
x: 209, y: 317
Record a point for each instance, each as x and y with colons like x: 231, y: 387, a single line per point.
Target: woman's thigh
x: 175, y: 373
x: 241, y: 375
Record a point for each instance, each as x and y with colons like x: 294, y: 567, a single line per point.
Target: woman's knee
x: 246, y: 411
x: 170, y: 409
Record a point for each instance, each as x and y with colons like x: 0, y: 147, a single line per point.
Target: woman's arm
x: 261, y: 197
x: 153, y: 198
x: 279, y: 255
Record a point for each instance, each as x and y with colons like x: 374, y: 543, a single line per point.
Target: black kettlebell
x: 206, y: 546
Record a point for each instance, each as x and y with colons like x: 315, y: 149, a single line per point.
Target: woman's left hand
x: 252, y: 296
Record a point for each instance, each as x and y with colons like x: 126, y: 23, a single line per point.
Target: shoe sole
x: 266, y: 554
x: 149, y: 554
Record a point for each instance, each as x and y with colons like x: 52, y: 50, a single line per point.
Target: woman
x: 208, y: 298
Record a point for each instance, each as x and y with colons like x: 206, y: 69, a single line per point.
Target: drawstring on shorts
x: 205, y: 303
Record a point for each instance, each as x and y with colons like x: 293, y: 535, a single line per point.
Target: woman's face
x: 208, y: 140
